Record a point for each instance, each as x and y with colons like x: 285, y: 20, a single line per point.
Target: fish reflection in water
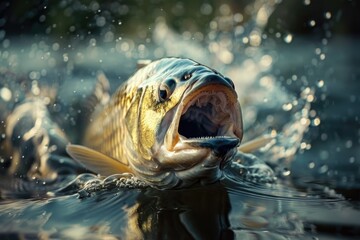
x: 196, y: 213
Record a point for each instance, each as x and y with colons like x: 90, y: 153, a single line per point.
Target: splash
x: 86, y: 185
x: 117, y: 181
x: 239, y: 49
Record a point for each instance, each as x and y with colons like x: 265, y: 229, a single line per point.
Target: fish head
x: 189, y: 124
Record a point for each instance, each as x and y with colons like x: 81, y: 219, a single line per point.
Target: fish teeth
x: 210, y: 137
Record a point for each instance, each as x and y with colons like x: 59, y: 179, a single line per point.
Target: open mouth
x: 205, y: 127
x: 211, y: 113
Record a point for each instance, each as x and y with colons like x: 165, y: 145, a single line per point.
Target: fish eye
x: 166, y: 89
x: 187, y: 76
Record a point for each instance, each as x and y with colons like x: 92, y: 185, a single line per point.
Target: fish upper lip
x: 210, y: 92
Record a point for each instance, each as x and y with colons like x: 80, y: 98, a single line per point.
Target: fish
x: 173, y: 124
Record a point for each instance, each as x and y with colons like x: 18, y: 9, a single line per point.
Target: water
x: 300, y: 87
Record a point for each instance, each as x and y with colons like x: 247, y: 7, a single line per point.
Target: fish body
x: 174, y: 123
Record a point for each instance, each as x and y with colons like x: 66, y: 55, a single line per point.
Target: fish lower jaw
x: 184, y: 165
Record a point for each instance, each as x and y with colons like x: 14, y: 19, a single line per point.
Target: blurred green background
x: 80, y: 19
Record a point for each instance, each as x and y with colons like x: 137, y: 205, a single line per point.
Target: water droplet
x: 213, y: 25
x: 262, y: 16
x: 320, y: 83
x: 42, y: 18
x: 311, y: 165
x: 312, y: 113
x: 324, y: 155
x: 6, y: 43
x: 273, y: 133
x: 35, y: 88
x: 288, y: 38
x: 245, y: 40
x: 328, y: 15
x: 266, y: 81
x: 92, y: 42
x: 225, y: 9
x: 310, y: 98
x: 266, y: 61
x: 72, y: 28
x: 316, y: 121
x: 286, y: 172
x: 226, y: 56
x: 206, y: 9
x: 287, y: 106
x: 323, y: 169
x: 255, y: 38
x: 2, y: 34
x: 238, y: 17
x: 348, y: 144
x: 239, y: 30
x: 312, y: 23
x: 304, y: 121
x: 5, y: 94
x: 65, y: 57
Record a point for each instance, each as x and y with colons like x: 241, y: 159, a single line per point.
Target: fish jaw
x: 206, y: 117
x: 205, y: 130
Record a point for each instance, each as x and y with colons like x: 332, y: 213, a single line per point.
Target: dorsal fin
x: 142, y: 63
x: 96, y: 161
x: 100, y: 94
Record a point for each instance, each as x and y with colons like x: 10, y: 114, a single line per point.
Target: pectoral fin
x: 256, y: 143
x: 96, y: 161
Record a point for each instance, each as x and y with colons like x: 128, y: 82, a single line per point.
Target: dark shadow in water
x: 197, y: 213
x: 218, y: 211
x: 200, y: 213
